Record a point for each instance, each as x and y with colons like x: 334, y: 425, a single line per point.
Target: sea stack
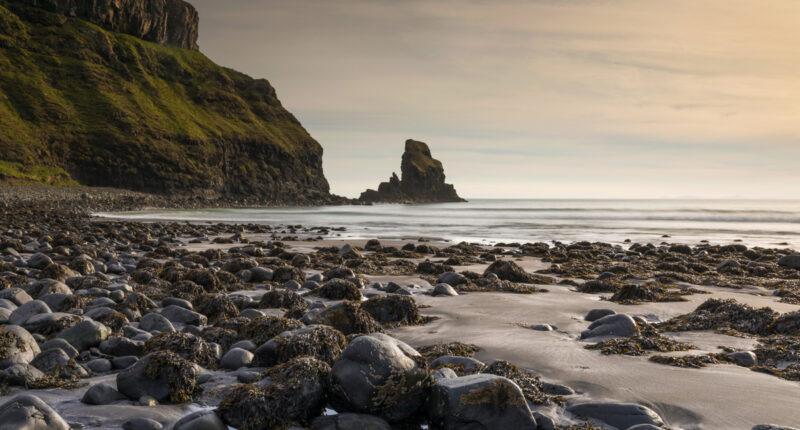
x: 422, y: 180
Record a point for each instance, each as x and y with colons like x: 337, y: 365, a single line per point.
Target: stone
x: 85, y: 335
x: 17, y: 346
x: 790, y: 261
x: 393, y: 310
x: 15, y: 295
x: 156, y: 322
x: 124, y: 362
x: 321, y: 342
x: 479, y: 401
x: 102, y: 394
x: 557, y: 389
x: 260, y: 274
x: 348, y: 421
x: 142, y: 424
x: 618, y: 325
x: 62, y: 345
x: 200, y: 420
x: 441, y: 290
x: 236, y: 358
x: 177, y: 314
x: 21, y: 374
x: 99, y: 365
x: 423, y: 180
x: 444, y: 373
x: 52, y: 323
x: 620, y: 415
x: 27, y: 310
x: 542, y: 327
x: 452, y: 279
x: 508, y: 270
x: 379, y: 375
x: 744, y: 358
x: 39, y: 261
x: 349, y: 252
x: 162, y: 375
x: 122, y: 346
x: 466, y: 365
x: 596, y: 314
x: 28, y: 412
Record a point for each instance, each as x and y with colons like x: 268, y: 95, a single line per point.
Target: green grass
x: 115, y: 110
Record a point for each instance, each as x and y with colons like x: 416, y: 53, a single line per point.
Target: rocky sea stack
x: 82, y: 101
x: 422, y: 180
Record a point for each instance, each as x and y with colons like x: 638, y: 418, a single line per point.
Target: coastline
x: 569, y: 280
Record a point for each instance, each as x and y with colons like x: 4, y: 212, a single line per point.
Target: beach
x: 521, y: 301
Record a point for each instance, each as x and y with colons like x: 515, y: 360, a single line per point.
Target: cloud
x: 642, y: 89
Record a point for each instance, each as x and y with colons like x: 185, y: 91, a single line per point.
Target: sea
x: 765, y: 223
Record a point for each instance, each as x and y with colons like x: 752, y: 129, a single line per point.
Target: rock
x: 347, y: 317
x: 510, y: 271
x: 260, y: 274
x: 422, y: 180
x: 262, y: 329
x: 349, y: 252
x: 348, y: 421
x: 290, y: 392
x: 321, y: 342
x: 466, y: 365
x: 142, y: 424
x: 596, y: 314
x: 288, y: 300
x: 557, y: 389
x: 393, y: 310
x: 122, y: 346
x: 542, y: 327
x: 28, y: 412
x: 27, y: 310
x: 162, y: 375
x: 200, y: 420
x: 620, y: 415
x: 444, y: 290
x: 99, y: 365
x: 790, y: 261
x: 21, y: 374
x: 85, y: 335
x: 56, y: 271
x: 62, y: 345
x: 444, y: 373
x: 236, y: 358
x: 189, y: 346
x: 52, y: 323
x: 744, y: 358
x: 452, y: 279
x: 15, y: 295
x: 17, y: 346
x: 772, y: 427
x: 479, y: 401
x: 39, y: 261
x: 338, y: 289
x: 102, y: 394
x: 156, y: 322
x: 618, y: 325
x: 57, y: 362
x: 177, y: 314
x: 380, y: 375
x: 124, y: 362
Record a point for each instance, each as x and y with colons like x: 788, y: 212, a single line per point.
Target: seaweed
x: 647, y: 340
x: 529, y: 383
x: 432, y: 352
x: 180, y: 375
x: 187, y: 345
x: 263, y: 328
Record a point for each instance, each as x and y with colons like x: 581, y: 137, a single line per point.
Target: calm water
x: 761, y: 223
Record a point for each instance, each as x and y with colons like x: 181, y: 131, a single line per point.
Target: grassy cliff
x: 81, y: 104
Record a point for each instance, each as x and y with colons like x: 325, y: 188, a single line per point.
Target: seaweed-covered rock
x: 57, y: 363
x: 432, y: 352
x: 510, y: 271
x: 283, y: 299
x: 647, y: 340
x: 393, y: 310
x: 28, y: 412
x: 338, y: 289
x: 204, y: 278
x: 288, y: 273
x: 17, y: 346
x: 321, y: 342
x: 56, y: 271
x: 377, y: 374
x: 347, y: 317
x: 650, y: 292
x: 52, y: 323
x: 263, y: 328
x: 479, y: 401
x: 187, y: 345
x: 163, y: 375
x: 293, y: 392
x: 715, y: 314
x: 217, y: 307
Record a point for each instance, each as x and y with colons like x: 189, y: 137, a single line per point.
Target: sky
x: 535, y: 98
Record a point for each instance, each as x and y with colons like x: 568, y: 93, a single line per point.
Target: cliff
x: 81, y: 104
x: 167, y: 22
x: 422, y: 181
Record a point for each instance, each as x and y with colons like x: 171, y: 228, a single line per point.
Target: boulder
x: 509, y: 271
x: 177, y: 314
x: 790, y: 261
x: 349, y: 421
x: 51, y: 323
x: 452, y: 278
x: 379, y: 375
x: 163, y: 375
x: 27, y: 310
x: 236, y: 358
x: 444, y: 290
x: 479, y: 401
x: 20, y: 374
x: 17, y: 346
x: 596, y: 314
x: 393, y: 310
x: 462, y: 365
x: 141, y: 423
x: 200, y: 420
x: 338, y: 289
x: 102, y: 394
x: 347, y: 317
x: 85, y: 335
x: 321, y: 342
x: 122, y: 346
x: 620, y: 415
x: 28, y: 412
x: 618, y: 325
x: 156, y: 322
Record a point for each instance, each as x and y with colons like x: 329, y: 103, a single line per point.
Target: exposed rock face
x: 422, y: 180
x: 168, y: 22
x: 86, y: 105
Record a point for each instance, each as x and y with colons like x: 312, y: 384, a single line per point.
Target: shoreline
x: 550, y: 285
